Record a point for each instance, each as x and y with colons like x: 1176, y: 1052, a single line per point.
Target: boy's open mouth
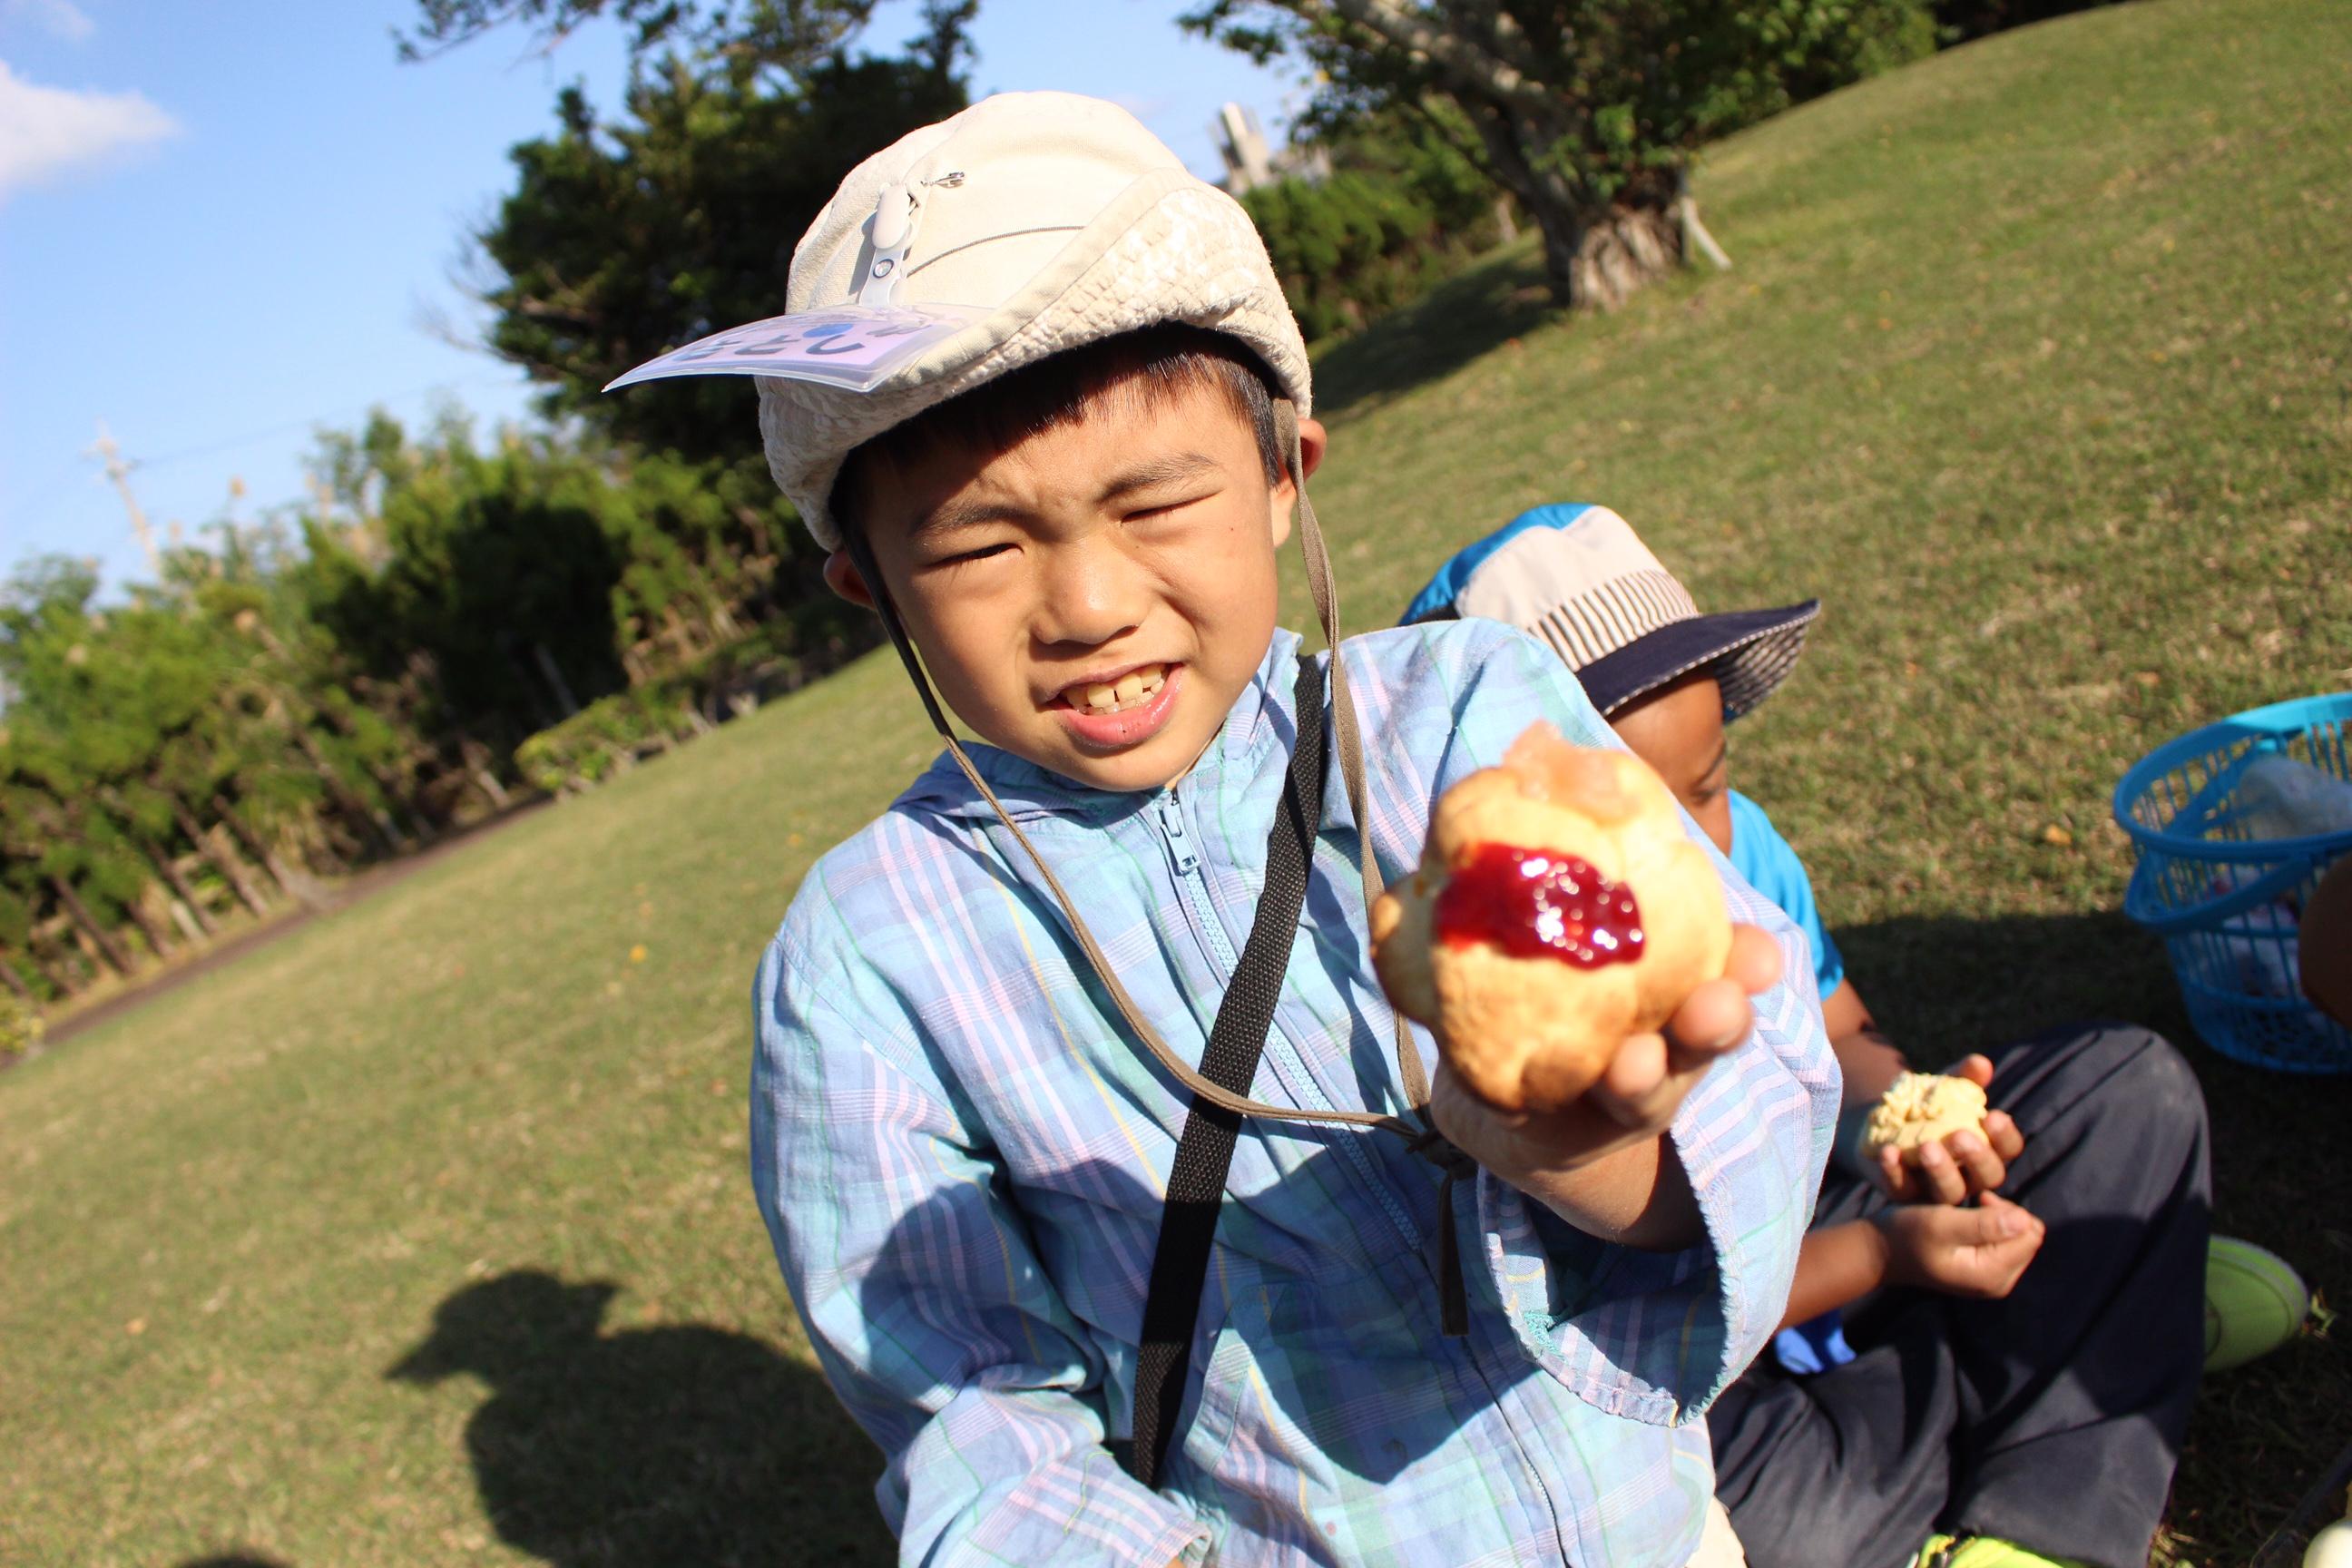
x: 1106, y: 716
x: 1133, y: 689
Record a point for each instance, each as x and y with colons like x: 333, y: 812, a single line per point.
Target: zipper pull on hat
x: 892, y: 235
x: 897, y: 214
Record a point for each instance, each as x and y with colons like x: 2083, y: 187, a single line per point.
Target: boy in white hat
x: 1114, y: 1210
x: 2025, y: 1366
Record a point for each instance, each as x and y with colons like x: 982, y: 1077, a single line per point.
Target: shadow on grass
x: 1945, y: 985
x: 649, y: 1446
x: 1492, y: 302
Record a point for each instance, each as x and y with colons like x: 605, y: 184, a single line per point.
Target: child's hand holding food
x: 1931, y: 1140
x: 1568, y: 945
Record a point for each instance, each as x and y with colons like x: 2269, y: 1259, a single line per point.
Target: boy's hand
x: 1977, y: 1252
x: 1564, y: 1159
x: 1956, y: 1168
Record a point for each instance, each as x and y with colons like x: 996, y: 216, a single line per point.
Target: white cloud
x: 44, y: 130
x: 58, y: 18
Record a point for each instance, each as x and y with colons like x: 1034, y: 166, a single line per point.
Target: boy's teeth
x: 1111, y: 697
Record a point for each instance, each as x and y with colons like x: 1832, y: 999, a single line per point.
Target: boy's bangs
x: 1146, y: 370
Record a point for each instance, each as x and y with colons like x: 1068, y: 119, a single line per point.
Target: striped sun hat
x: 1580, y: 578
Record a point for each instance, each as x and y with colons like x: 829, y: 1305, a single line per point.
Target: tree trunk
x: 180, y: 885
x: 680, y: 641
x: 255, y: 848
x: 477, y: 766
x: 159, y: 940
x: 60, y: 980
x: 369, y: 820
x: 99, y: 936
x: 223, y: 858
x: 1593, y: 260
x: 55, y: 969
x: 532, y: 693
x: 1548, y: 198
x: 1620, y: 252
x: 554, y: 673
x: 15, y: 982
x: 185, y: 917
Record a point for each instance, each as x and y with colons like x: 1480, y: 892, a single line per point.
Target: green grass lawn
x: 2034, y: 365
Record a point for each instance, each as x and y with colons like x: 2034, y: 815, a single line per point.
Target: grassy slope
x: 2033, y: 366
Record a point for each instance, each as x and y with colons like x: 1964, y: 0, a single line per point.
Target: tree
x: 783, y: 34
x: 1398, y: 205
x: 625, y: 238
x: 628, y: 235
x: 1587, y: 111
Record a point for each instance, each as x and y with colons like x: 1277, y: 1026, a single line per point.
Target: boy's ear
x: 1312, y: 440
x: 841, y: 575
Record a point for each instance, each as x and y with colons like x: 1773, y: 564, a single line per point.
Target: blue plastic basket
x: 2227, y: 903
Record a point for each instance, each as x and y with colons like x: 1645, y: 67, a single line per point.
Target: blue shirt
x: 961, y: 1157
x: 1772, y: 869
x: 1759, y: 853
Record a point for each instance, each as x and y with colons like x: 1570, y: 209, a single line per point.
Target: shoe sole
x: 2266, y: 1302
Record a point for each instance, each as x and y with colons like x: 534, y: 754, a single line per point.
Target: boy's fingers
x: 1895, y: 1176
x: 1998, y: 1219
x: 2001, y: 1131
x: 2016, y: 1252
x: 2023, y: 1230
x: 1712, y: 1019
x: 1978, y: 1164
x: 1716, y: 1016
x: 1755, y: 961
x: 1940, y: 1176
x: 1976, y: 1068
x: 1632, y: 1082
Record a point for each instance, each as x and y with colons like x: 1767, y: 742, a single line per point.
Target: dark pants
x: 2051, y: 1418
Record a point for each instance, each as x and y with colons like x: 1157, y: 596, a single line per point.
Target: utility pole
x: 111, y: 457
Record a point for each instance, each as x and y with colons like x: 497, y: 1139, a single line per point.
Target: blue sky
x: 226, y: 223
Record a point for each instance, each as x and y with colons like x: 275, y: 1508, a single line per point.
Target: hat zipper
x: 897, y: 214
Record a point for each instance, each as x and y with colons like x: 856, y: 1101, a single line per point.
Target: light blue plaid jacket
x: 961, y: 1157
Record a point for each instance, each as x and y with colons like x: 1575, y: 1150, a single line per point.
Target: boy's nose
x: 1090, y: 593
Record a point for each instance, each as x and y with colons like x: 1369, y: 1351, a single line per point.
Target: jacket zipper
x: 1193, y: 887
x: 1200, y: 907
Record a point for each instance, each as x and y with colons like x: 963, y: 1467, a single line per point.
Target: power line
x: 291, y: 426
x: 111, y: 460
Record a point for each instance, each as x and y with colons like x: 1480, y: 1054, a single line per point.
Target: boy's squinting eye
x: 1149, y: 506
x: 966, y: 557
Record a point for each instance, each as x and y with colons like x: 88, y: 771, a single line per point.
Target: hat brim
x: 1750, y: 652
x: 856, y: 347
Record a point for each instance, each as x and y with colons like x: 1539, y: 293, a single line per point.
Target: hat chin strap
x: 1415, y: 1079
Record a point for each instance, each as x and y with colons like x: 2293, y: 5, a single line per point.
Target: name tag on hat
x: 856, y: 347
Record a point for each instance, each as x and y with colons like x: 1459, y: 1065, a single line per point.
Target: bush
x: 614, y: 733
x: 20, y: 1028
x: 1400, y: 210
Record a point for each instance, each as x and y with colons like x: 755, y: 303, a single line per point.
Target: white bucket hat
x: 1027, y: 225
